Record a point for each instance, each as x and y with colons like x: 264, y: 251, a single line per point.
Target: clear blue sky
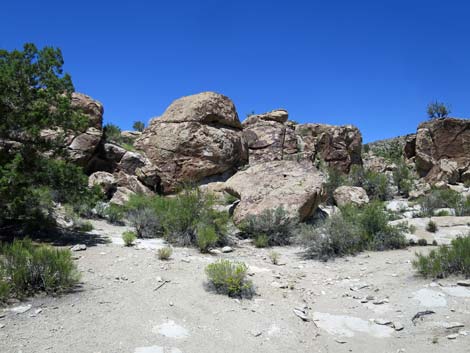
x: 375, y: 64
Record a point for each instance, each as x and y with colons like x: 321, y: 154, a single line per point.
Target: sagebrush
x: 229, y: 278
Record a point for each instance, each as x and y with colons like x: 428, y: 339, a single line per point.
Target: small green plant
x: 206, y: 238
x: 431, y: 227
x: 412, y: 229
x: 26, y: 268
x: 164, y: 253
x: 229, y: 199
x: 261, y: 241
x: 275, y: 224
x: 446, y: 260
x: 274, y: 257
x: 128, y: 147
x: 437, y: 110
x: 129, y: 237
x: 229, y: 278
x: 145, y: 221
x: 138, y: 125
x: 114, y: 214
x: 422, y: 242
x: 84, y: 226
x: 335, y: 180
x: 442, y: 213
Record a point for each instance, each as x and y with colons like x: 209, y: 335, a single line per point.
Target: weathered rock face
x: 92, y: 108
x: 84, y: 146
x: 339, y: 146
x: 443, y: 149
x: 350, y: 194
x: 197, y: 137
x: 297, y: 187
x: 104, y: 180
x: 265, y: 135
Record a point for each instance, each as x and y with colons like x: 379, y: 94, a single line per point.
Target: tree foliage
x: 138, y: 126
x: 35, y: 95
x: 438, y: 110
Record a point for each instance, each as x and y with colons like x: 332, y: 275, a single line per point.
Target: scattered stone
x: 452, y: 336
x: 420, y: 314
x: 2, y: 326
x: 256, y: 333
x: 78, y: 247
x: 380, y: 301
x: 464, y: 283
x: 340, y: 341
x: 398, y: 326
x: 215, y: 252
x: 463, y: 332
x: 186, y: 260
x: 302, y: 313
x: 21, y: 309
x: 358, y: 287
x: 383, y: 322
x: 227, y: 249
x: 453, y: 325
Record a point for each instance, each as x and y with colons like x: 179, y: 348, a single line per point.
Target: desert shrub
x: 4, y: 289
x: 84, y: 226
x: 334, y: 180
x: 402, y: 177
x: 422, y: 242
x: 393, y: 151
x: 335, y: 237
x: 138, y: 125
x: 28, y: 268
x: 446, y: 260
x: 275, y: 224
x: 376, y: 185
x: 274, y: 257
x: 114, y: 214
x: 442, y: 213
x: 229, y: 199
x: 164, y: 253
x: 128, y: 146
x: 412, y: 228
x: 444, y: 198
x: 129, y: 237
x: 145, y: 222
x: 112, y: 133
x: 431, y: 226
x: 206, y: 237
x: 177, y: 218
x: 261, y: 241
x: 229, y: 278
x: 437, y: 110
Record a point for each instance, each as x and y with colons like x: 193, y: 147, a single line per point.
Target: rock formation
x: 197, y: 137
x: 297, y: 187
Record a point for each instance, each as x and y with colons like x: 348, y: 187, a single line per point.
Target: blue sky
x: 375, y: 64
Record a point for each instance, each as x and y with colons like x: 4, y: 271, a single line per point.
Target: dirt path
x: 118, y: 309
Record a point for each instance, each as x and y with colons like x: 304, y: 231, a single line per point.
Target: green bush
x: 335, y: 237
x: 275, y: 224
x: 354, y: 230
x: 206, y: 237
x: 261, y: 241
x: 274, y: 257
x: 442, y: 213
x: 437, y: 110
x: 229, y: 278
x: 145, y: 221
x: 393, y: 151
x: 114, y: 214
x: 431, y: 227
x: 376, y: 185
x: 128, y: 237
x: 403, y: 177
x: 335, y: 180
x: 446, y: 260
x: 444, y: 198
x: 179, y: 217
x: 28, y: 269
x: 138, y: 125
x: 422, y: 242
x: 164, y: 253
x: 84, y: 226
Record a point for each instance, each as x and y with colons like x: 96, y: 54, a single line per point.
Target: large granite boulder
x: 265, y: 135
x: 89, y: 106
x: 350, y: 194
x: 338, y: 146
x: 197, y: 137
x: 297, y: 187
x: 442, y: 151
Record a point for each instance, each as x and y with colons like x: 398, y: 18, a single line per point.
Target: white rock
x: 227, y: 249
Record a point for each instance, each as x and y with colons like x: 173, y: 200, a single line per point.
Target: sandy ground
x: 118, y: 309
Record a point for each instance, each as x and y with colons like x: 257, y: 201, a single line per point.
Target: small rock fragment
x: 78, y: 247
x: 302, y: 313
x: 453, y: 325
x: 383, y: 322
x: 452, y: 336
x: 227, y: 249
x: 21, y: 309
x: 464, y: 283
x: 256, y: 333
x: 398, y: 326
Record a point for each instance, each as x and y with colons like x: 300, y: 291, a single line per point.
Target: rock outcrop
x: 297, y: 187
x: 271, y: 137
x: 442, y: 149
x: 350, y: 194
x: 197, y: 137
x: 338, y: 146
